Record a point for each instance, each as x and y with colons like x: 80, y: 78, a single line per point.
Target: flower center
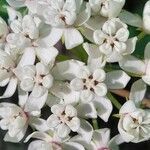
x: 64, y: 118
x: 90, y: 83
x: 39, y: 79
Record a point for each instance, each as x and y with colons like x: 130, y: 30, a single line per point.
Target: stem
x: 95, y: 124
x: 141, y: 36
x: 114, y: 101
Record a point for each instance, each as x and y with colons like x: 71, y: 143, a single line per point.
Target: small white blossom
x: 16, y: 120
x: 64, y: 119
x: 134, y: 124
x: 107, y: 8
x: 113, y: 40
x: 90, y: 83
x: 36, y: 79
x: 65, y: 17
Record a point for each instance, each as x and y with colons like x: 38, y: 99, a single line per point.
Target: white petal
x: 131, y: 19
x: 28, y: 57
x: 16, y: 138
x: 16, y: 3
x: 8, y: 109
x: 100, y: 89
x: 146, y: 79
x: 66, y: 69
x: 46, y: 55
x: 99, y: 37
x: 57, y: 109
x: 147, y: 52
x: 39, y: 145
x: 54, y: 36
x: 63, y: 130
x: 87, y: 33
x: 146, y: 17
x: 52, y: 100
x: 27, y: 84
x: 128, y: 107
x: 11, y: 88
x: 87, y: 96
x: 115, y: 7
x: 72, y: 37
x: 53, y: 121
x: 87, y: 110
x: 76, y: 84
x: 83, y: 16
x: 131, y: 44
x: 70, y: 111
x: 126, y: 136
x: 38, y: 135
x: 23, y: 96
x: 137, y: 92
x: 48, y: 81
x: 85, y: 130
x: 95, y: 22
x: 99, y: 75
x: 74, y: 124
x: 122, y: 34
x: 42, y: 69
x: 36, y: 103
x: 38, y: 90
x: 117, y: 79
x: 131, y: 64
x: 101, y: 136
x: 103, y: 107
x: 92, y: 50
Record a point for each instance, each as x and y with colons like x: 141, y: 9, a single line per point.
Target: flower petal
x: 53, y: 121
x: 103, y: 107
x: 137, y: 92
x: 131, y: 64
x: 117, y: 79
x: 72, y: 37
x: 11, y: 88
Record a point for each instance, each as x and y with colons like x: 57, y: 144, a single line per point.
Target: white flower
x: 36, y: 79
x: 90, y: 83
x: 29, y: 31
x: 64, y: 119
x: 65, y: 17
x: 3, y: 31
x: 49, y: 141
x: 14, y: 119
x: 131, y: 64
x: 134, y: 124
x: 113, y: 40
x: 100, y: 141
x: 107, y: 8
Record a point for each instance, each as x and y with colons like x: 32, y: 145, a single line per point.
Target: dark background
x: 135, y: 6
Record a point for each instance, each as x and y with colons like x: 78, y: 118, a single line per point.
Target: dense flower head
x: 63, y: 60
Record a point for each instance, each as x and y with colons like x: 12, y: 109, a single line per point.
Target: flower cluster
x: 73, y: 91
